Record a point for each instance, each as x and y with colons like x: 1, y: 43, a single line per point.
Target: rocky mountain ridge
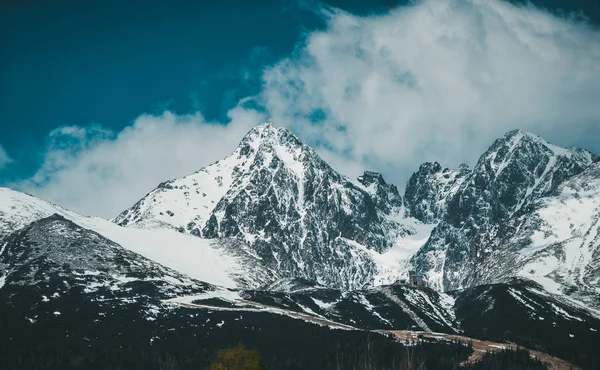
x: 295, y: 214
x: 486, y: 232
x: 515, y: 240
x: 277, y: 201
x: 274, y: 212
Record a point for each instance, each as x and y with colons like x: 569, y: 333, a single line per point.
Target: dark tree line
x: 507, y: 359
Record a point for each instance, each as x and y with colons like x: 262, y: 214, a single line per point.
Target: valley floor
x: 480, y: 347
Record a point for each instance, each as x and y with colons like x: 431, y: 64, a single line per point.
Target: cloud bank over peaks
x: 439, y: 80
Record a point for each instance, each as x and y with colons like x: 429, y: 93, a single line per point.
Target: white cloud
x: 94, y: 171
x: 4, y: 158
x: 439, y: 80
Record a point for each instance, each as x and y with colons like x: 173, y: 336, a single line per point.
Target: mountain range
x: 512, y: 244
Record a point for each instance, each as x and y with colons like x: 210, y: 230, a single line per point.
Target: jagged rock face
x: 516, y: 169
x: 302, y: 218
x: 557, y: 241
x: 509, y: 177
x: 429, y: 189
x: 386, y: 195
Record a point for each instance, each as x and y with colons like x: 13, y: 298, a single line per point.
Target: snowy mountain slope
x: 393, y: 264
x: 298, y: 216
x: 199, y: 258
x: 556, y: 244
x: 19, y: 209
x: 57, y: 257
x: 468, y: 247
x: 567, y: 224
x: 227, y: 262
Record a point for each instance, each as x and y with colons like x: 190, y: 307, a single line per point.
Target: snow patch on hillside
x: 195, y: 257
x: 187, y: 254
x: 394, y: 263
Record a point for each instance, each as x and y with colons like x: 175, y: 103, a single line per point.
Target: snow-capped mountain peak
x: 19, y: 209
x: 518, y: 145
x: 517, y: 169
x: 490, y: 216
x: 287, y: 205
x: 191, y: 206
x: 269, y: 134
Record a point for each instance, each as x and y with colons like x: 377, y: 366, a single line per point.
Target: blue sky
x: 75, y: 62
x: 99, y: 65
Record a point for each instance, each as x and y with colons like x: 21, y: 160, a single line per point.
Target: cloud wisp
x: 4, y: 158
